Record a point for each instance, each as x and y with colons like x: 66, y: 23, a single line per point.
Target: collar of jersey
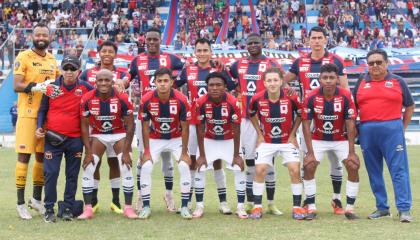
x: 171, y: 95
x: 258, y: 60
x: 388, y: 76
x: 223, y: 99
x: 325, y: 55
x: 281, y: 94
x: 321, y: 91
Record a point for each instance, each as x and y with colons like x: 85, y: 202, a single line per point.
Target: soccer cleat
x: 129, y: 212
x: 36, y: 205
x: 139, y: 205
x: 198, y: 212
x: 379, y: 214
x: 298, y: 213
x: 95, y: 208
x: 170, y: 203
x: 256, y: 213
x: 67, y: 215
x: 224, y: 208
x: 241, y: 213
x: 350, y: 215
x: 405, y: 217
x: 249, y: 206
x: 310, y: 214
x: 116, y: 209
x: 49, y: 216
x: 87, y: 213
x: 23, y: 212
x: 185, y: 213
x: 145, y: 213
x: 337, y: 206
x: 272, y: 209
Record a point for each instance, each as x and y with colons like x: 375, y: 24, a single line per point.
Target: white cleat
x: 170, y: 203
x: 198, y: 213
x: 37, y: 206
x: 23, y: 212
x: 224, y: 208
x: 241, y: 213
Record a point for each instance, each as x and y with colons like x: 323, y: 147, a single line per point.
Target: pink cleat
x: 129, y: 212
x: 87, y: 213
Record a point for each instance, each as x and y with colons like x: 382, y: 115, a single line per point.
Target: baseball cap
x: 71, y: 60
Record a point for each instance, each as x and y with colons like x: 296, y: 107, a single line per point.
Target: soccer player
x: 62, y: 138
x: 110, y: 115
x: 107, y: 54
x: 276, y: 117
x: 249, y: 74
x: 194, y: 76
x: 307, y: 70
x: 143, y: 68
x: 380, y: 97
x: 218, y: 137
x: 165, y: 114
x: 33, y: 71
x: 331, y: 109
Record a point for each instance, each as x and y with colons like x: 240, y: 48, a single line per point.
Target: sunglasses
x: 379, y: 62
x: 73, y: 69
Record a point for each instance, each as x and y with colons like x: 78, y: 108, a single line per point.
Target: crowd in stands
x: 363, y: 24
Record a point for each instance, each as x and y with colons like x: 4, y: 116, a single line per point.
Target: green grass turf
x: 164, y: 225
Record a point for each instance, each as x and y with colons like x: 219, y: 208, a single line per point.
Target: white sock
x: 352, y: 189
x: 310, y: 191
x: 258, y: 189
x: 185, y: 178
x: 146, y: 180
x: 126, y: 175
x: 95, y: 183
x: 296, y: 188
x: 199, y: 185
x: 115, y: 182
x: 168, y: 170
x: 88, y: 182
x: 220, y: 178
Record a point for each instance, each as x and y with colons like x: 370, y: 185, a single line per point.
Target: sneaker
x: 256, y: 213
x: 67, y: 215
x: 23, y: 212
x: 241, y: 213
x: 185, y: 213
x: 116, y: 209
x: 379, y: 214
x: 224, y: 208
x: 129, y: 212
x: 49, y: 216
x: 405, y: 217
x: 87, y: 213
x: 350, y: 215
x: 310, y: 214
x: 249, y: 206
x: 337, y: 207
x: 170, y: 203
x: 139, y: 205
x: 272, y: 209
x: 298, y: 213
x: 145, y: 213
x: 95, y: 208
x: 198, y: 212
x: 36, y: 205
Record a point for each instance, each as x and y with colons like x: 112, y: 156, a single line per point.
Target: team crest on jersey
x: 367, y: 85
x: 337, y: 107
x: 78, y: 92
x: 48, y: 155
x: 389, y: 84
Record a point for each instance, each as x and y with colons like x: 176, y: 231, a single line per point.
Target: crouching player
x: 165, y: 113
x: 275, y: 116
x: 333, y: 112
x: 110, y: 115
x: 218, y: 137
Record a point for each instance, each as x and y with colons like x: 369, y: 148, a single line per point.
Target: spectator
x: 14, y: 114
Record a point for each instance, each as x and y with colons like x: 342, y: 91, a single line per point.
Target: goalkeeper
x: 32, y: 70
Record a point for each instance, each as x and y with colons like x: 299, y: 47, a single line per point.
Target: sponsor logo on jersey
x: 312, y: 75
x: 328, y: 117
x: 252, y: 77
x: 164, y: 120
x: 275, y: 120
x: 105, y: 118
x: 216, y: 121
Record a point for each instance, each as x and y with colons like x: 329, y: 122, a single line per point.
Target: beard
x: 41, y: 45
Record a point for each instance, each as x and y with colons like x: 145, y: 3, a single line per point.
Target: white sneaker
x: 241, y: 213
x: 198, y: 213
x: 139, y: 205
x: 170, y: 203
x: 23, y: 212
x: 224, y: 208
x: 36, y: 205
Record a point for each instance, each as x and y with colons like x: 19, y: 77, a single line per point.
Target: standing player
x: 110, y: 115
x: 194, y: 76
x: 276, y: 118
x: 218, y: 137
x: 143, y: 68
x: 249, y: 73
x: 307, y: 70
x: 107, y: 53
x: 33, y: 71
x: 332, y: 111
x: 165, y: 115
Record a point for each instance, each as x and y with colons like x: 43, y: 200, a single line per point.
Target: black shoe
x: 49, y: 216
x: 379, y: 214
x: 67, y: 215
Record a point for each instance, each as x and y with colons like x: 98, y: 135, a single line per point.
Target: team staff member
x: 380, y: 96
x: 62, y: 138
x: 32, y: 71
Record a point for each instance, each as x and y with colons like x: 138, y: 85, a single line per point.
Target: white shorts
x: 157, y: 146
x: 219, y: 149
x: 139, y: 135
x: 339, y: 148
x: 248, y: 139
x: 267, y: 151
x: 192, y: 141
x: 109, y: 140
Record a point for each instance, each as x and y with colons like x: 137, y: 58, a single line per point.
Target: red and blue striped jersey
x: 166, y: 116
x: 329, y: 115
x: 106, y: 116
x: 276, y: 118
x: 218, y: 117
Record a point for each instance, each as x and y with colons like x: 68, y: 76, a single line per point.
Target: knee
x: 294, y: 173
x: 260, y: 171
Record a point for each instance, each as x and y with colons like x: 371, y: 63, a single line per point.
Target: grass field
x: 164, y: 225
